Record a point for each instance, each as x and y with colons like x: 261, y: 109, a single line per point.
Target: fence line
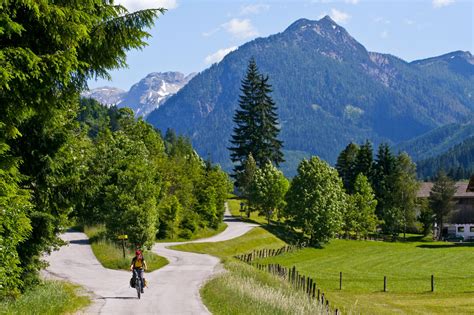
x: 291, y: 275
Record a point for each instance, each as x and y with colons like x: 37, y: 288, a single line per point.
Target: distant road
x: 173, y: 289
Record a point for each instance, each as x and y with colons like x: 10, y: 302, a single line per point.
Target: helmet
x: 138, y: 252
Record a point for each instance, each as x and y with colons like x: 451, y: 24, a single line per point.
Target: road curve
x: 173, y: 289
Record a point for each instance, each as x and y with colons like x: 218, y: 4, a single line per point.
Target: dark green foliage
x: 441, y: 199
x: 47, y: 53
x: 436, y: 142
x: 345, y: 165
x: 394, y: 182
x: 255, y: 132
x: 457, y: 162
x: 141, y: 185
x: 364, y: 161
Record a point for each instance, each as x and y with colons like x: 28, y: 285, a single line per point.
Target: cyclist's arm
x: 144, y: 265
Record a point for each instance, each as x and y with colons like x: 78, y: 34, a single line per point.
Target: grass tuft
x: 49, y: 298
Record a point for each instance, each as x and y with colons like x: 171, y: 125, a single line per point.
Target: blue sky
x: 193, y: 34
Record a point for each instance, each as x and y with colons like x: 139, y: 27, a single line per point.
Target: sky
x: 194, y: 34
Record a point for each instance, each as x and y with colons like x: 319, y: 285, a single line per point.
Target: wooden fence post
x: 432, y: 283
x: 384, y: 283
x: 340, y: 280
x: 314, y: 289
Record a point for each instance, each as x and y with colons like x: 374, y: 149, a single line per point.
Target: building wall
x: 466, y: 230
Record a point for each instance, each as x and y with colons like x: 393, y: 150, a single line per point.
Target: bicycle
x: 138, y: 283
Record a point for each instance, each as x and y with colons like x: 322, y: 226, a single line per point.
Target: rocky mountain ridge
x: 146, y: 95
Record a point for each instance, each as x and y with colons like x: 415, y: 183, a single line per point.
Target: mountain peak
x: 327, y: 20
x: 327, y: 37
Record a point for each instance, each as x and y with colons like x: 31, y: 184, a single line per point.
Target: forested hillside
x: 437, y: 141
x: 329, y: 91
x: 457, y: 162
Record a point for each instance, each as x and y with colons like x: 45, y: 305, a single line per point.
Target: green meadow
x: 408, y: 267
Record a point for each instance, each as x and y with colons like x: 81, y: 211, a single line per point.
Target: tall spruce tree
x: 256, y: 122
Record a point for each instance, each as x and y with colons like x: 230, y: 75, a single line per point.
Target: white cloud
x: 409, y: 22
x: 384, y: 34
x: 442, y: 3
x: 352, y: 1
x: 381, y: 20
x: 135, y: 5
x: 254, y: 9
x: 240, y: 28
x: 339, y: 16
x: 219, y: 55
x: 211, y: 32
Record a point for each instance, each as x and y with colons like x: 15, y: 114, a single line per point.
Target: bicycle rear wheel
x: 138, y: 285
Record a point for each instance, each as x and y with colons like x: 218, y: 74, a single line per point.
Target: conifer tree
x: 441, y: 199
x: 256, y: 122
x: 345, y: 165
x: 364, y: 161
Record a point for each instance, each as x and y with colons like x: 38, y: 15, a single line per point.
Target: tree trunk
x: 440, y: 234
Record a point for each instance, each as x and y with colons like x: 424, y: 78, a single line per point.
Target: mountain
x: 329, y: 91
x: 144, y: 96
x: 105, y: 95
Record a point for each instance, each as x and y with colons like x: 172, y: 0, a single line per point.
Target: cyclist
x: 139, y: 265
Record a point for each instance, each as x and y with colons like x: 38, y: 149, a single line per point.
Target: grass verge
x: 244, y: 289
x: 257, y: 238
x: 110, y: 255
x: 50, y: 297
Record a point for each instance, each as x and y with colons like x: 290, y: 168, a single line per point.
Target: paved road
x: 173, y: 289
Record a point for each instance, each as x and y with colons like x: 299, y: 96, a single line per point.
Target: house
x: 461, y: 221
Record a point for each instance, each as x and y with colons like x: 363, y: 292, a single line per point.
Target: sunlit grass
x: 244, y: 290
x: 110, y: 254
x: 49, y: 298
x: 255, y: 239
x: 408, y: 267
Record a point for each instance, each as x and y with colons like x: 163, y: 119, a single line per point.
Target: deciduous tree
x: 315, y: 201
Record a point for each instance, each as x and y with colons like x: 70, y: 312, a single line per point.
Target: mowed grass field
x: 407, y: 266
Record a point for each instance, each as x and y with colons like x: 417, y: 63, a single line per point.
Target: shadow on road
x: 232, y: 219
x: 84, y: 241
x: 117, y: 298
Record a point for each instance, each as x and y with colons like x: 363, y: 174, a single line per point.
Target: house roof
x: 461, y: 190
